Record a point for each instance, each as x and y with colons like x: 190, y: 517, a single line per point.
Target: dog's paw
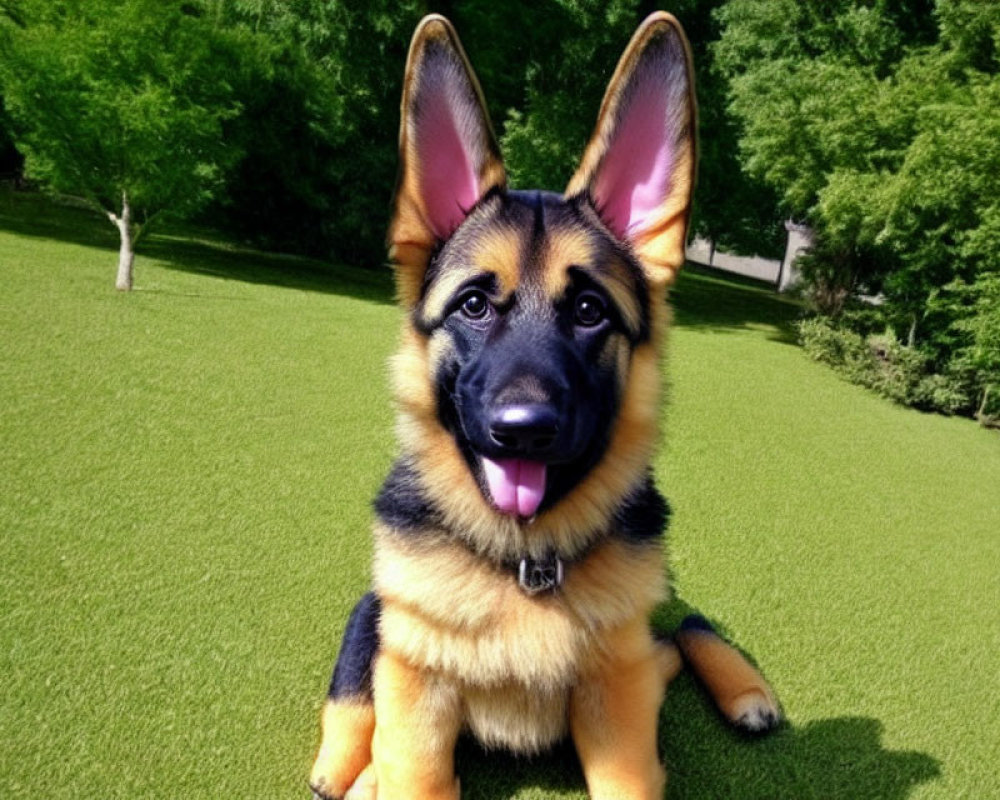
x: 755, y: 712
x: 346, y: 750
x: 321, y: 790
x: 327, y: 788
x: 319, y: 794
x: 328, y: 779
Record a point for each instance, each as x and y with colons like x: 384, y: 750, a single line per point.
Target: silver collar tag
x: 541, y: 575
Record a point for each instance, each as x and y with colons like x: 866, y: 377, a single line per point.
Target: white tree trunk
x: 126, y: 253
x: 981, y: 413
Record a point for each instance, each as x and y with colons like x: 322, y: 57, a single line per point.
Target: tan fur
x: 465, y: 606
x: 613, y: 717
x: 418, y: 719
x: 739, y: 690
x: 522, y: 718
x: 365, y: 787
x: 562, y: 250
x: 498, y: 251
x: 447, y: 612
x: 346, y: 748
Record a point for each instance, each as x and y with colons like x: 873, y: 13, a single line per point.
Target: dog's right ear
x: 449, y: 158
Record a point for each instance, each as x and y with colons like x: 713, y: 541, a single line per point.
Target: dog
x: 518, y: 537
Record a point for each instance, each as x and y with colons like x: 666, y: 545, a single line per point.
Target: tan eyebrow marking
x: 572, y: 248
x: 496, y: 251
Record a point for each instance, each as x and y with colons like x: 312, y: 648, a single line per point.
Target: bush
x: 943, y: 393
x: 898, y: 370
x: 829, y: 344
x: 882, y: 363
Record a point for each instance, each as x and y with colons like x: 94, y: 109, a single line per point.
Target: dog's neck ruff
x: 406, y: 509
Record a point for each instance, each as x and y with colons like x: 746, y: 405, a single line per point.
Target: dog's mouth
x: 516, y: 486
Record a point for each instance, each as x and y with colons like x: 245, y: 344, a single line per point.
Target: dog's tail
x: 740, y: 692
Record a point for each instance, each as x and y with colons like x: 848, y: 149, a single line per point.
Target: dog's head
x: 528, y: 379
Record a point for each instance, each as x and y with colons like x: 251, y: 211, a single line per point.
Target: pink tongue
x: 517, y: 486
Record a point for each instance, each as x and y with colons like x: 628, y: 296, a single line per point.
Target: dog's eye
x: 475, y: 305
x: 589, y: 309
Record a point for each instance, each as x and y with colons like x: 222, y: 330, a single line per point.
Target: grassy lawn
x: 185, y: 479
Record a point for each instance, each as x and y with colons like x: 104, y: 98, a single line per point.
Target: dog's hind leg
x: 738, y: 689
x: 348, y: 721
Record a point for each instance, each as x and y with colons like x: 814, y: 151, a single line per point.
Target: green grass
x: 185, y: 479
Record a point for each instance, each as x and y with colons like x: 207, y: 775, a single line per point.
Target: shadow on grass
x: 706, y: 759
x: 230, y: 262
x: 189, y: 250
x: 831, y: 758
x: 707, y: 299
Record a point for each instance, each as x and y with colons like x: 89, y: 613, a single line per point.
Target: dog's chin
x: 515, y: 486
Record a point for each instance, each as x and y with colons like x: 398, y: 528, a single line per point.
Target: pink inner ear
x: 449, y: 185
x: 634, y: 177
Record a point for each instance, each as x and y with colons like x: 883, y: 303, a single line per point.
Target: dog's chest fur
x: 512, y: 658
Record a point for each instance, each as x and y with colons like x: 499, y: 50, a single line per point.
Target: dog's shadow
x: 841, y: 757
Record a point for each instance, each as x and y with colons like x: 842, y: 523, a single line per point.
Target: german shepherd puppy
x: 518, y: 538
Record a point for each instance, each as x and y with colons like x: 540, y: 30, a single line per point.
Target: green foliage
x: 885, y: 365
x: 737, y: 211
x: 970, y: 30
x: 303, y: 157
x: 831, y: 346
x: 11, y: 161
x: 110, y: 99
x: 572, y: 49
x: 320, y: 91
x: 974, y: 311
x: 879, y: 123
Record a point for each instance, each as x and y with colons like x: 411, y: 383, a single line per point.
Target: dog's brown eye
x: 475, y: 305
x: 589, y: 309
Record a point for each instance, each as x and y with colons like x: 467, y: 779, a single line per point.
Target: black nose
x: 527, y: 429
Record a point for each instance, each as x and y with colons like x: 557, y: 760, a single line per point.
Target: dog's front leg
x: 417, y: 722
x: 613, y: 716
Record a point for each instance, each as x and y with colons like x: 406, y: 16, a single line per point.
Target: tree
x: 812, y: 86
x: 732, y: 209
x: 979, y: 322
x: 319, y: 90
x: 11, y: 161
x: 836, y: 101
x: 879, y: 123
x: 122, y: 104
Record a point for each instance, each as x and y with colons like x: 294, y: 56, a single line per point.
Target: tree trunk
x: 911, y: 337
x: 981, y: 413
x: 126, y: 253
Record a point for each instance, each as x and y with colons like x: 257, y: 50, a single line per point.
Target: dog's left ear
x: 638, y: 168
x: 449, y: 157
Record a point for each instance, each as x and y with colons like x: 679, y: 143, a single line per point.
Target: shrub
x: 883, y: 364
x: 830, y: 344
x: 944, y: 393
